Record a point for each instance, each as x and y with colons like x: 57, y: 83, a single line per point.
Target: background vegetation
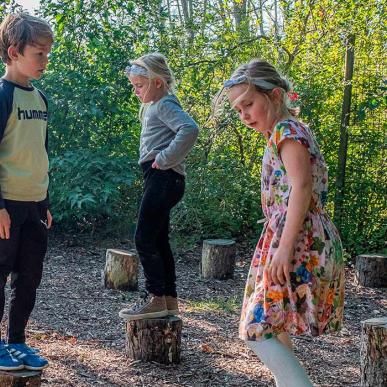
x: 94, y: 130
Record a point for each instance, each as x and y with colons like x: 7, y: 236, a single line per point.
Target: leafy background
x: 94, y: 129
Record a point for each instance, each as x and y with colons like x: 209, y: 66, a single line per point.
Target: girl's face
x: 256, y: 110
x: 146, y: 89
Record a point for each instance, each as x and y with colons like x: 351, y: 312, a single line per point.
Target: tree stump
x: 371, y: 270
x: 121, y: 270
x: 157, y: 339
x: 218, y: 258
x: 20, y: 378
x: 373, y: 352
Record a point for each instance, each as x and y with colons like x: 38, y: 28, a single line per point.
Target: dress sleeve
x: 290, y: 130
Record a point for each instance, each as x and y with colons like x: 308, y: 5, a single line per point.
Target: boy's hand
x: 5, y: 224
x: 155, y: 165
x: 49, y: 219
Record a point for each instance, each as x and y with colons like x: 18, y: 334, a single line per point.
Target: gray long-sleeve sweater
x: 168, y: 134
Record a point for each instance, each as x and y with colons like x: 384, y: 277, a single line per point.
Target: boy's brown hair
x: 20, y: 29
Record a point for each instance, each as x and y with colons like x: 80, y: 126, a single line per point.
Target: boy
x: 25, y: 42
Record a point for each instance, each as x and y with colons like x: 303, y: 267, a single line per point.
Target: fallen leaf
x: 206, y: 348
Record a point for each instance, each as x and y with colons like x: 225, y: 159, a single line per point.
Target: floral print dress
x: 313, y: 300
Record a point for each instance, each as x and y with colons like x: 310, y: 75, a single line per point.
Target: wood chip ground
x: 76, y: 325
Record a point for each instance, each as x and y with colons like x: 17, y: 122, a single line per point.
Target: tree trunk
x: 373, y: 352
x: 20, y: 378
x: 261, y: 19
x: 240, y: 15
x: 218, y: 258
x: 276, y: 26
x: 154, y: 339
x: 121, y: 270
x: 343, y: 146
x: 187, y: 9
x: 371, y: 270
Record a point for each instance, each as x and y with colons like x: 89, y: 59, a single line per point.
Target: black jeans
x: 22, y: 256
x: 163, y: 189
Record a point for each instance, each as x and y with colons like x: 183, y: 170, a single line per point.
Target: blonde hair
x: 258, y: 69
x: 157, y: 67
x: 20, y: 29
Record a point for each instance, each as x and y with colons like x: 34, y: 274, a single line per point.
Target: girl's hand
x: 5, y: 224
x: 49, y: 219
x: 279, y: 269
x: 155, y: 165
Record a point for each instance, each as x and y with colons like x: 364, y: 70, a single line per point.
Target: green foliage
x: 92, y: 106
x: 221, y: 199
x: 91, y: 188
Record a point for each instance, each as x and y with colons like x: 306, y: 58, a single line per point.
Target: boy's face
x: 32, y: 62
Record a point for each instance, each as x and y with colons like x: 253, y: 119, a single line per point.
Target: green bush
x: 222, y: 200
x: 91, y: 188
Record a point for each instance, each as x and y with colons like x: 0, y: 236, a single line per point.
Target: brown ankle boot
x: 172, y: 305
x: 148, y: 306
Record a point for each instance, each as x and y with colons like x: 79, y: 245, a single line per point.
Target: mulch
x: 75, y: 323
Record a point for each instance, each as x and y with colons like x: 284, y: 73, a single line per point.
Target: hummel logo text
x: 31, y: 114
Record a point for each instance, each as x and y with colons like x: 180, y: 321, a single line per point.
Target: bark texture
x: 156, y: 340
x: 20, y: 378
x: 373, y: 352
x: 218, y: 258
x: 121, y: 270
x: 371, y: 270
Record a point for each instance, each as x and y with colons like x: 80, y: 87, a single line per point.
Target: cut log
x: 218, y: 258
x: 371, y: 270
x: 373, y: 352
x: 157, y: 339
x: 20, y: 378
x: 121, y: 270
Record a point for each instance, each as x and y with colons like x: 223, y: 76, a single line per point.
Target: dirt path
x: 76, y: 325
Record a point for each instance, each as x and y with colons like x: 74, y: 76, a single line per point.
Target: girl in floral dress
x: 296, y: 280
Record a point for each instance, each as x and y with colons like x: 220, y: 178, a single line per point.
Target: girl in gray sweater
x: 168, y: 134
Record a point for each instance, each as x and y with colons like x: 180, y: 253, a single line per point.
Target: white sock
x: 285, y: 367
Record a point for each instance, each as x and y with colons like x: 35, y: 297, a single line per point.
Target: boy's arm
x: 6, y: 96
x: 5, y: 111
x: 186, y: 129
x: 46, y: 146
x: 46, y: 141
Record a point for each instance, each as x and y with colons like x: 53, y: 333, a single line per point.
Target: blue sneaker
x: 27, y: 356
x: 7, y: 361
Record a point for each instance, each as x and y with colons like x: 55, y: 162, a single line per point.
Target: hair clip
x: 293, y: 96
x: 136, y: 70
x: 261, y: 83
x: 235, y: 81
